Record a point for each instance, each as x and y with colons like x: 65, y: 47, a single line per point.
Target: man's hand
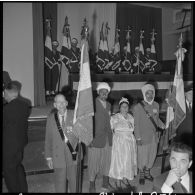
x: 172, y: 177
x: 50, y: 163
x: 139, y: 142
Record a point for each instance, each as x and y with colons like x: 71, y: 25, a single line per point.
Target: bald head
x: 60, y: 103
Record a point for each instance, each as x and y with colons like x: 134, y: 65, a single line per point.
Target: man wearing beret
x: 146, y: 116
x: 99, y: 153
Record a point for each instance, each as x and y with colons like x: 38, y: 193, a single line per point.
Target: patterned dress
x: 124, y: 149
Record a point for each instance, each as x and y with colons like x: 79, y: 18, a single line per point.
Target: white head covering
x: 123, y: 100
x: 145, y: 88
x: 103, y: 85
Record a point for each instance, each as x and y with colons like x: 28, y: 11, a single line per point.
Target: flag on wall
x: 84, y: 111
x: 49, y: 60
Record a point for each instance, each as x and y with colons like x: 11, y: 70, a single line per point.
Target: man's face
x: 6, y: 95
x: 103, y: 94
x: 149, y: 95
x: 189, y: 96
x: 180, y: 161
x: 60, y: 103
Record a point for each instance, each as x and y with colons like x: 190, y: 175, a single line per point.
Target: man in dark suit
x: 178, y: 179
x: 184, y: 131
x: 15, y: 124
x: 99, y: 151
x: 59, y: 140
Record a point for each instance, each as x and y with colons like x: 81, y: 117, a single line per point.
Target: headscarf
x: 103, y: 85
x: 145, y: 88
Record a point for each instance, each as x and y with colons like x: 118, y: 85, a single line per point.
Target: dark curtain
x: 38, y: 52
x: 140, y: 18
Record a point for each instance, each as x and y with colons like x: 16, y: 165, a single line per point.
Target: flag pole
x: 79, y: 172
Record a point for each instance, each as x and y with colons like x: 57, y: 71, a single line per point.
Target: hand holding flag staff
x: 176, y: 111
x: 84, y: 110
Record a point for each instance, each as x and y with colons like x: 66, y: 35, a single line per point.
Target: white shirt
x: 189, y: 104
x: 185, y: 181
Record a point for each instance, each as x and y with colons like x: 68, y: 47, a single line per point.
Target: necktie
x: 182, y: 186
x: 63, y: 123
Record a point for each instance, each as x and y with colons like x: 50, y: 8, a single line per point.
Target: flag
x: 116, y: 58
x: 100, y: 61
x: 176, y: 111
x: 127, y: 63
x: 49, y: 60
x: 66, y: 45
x: 84, y: 111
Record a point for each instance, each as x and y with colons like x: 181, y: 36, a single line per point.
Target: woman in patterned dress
x: 124, y: 149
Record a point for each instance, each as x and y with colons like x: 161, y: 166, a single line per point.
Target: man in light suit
x: 147, y: 121
x: 178, y: 179
x: 58, y: 142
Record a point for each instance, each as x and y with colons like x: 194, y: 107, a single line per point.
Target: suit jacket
x: 144, y: 128
x: 15, y: 125
x: 102, y: 125
x: 184, y: 131
x: 159, y: 181
x: 54, y: 146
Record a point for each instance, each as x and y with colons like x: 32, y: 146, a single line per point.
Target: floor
x: 34, y: 162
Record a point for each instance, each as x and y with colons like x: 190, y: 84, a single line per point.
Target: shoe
x: 92, y: 187
x: 141, y: 181
x: 147, y: 175
x: 141, y: 177
x: 106, y: 184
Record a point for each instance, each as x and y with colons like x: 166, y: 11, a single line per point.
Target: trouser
x: 99, y: 160
x: 51, y: 78
x: 13, y: 171
x: 146, y: 155
x: 61, y: 175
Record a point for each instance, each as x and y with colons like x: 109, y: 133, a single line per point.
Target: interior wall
x: 18, y: 45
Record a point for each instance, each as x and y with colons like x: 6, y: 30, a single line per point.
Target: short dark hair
x: 13, y: 86
x: 181, y: 147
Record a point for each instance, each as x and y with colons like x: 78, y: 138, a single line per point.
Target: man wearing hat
x: 75, y: 56
x: 184, y: 131
x: 99, y: 153
x: 146, y: 116
x: 52, y: 74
